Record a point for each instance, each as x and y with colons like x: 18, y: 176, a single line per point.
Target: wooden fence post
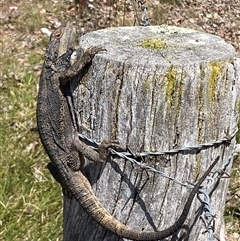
x: 155, y: 88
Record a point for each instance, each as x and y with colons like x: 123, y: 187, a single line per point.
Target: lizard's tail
x: 89, y: 202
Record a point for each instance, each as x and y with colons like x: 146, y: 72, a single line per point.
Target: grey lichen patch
x: 171, y: 30
x: 200, y: 111
x: 154, y: 43
x: 181, y: 86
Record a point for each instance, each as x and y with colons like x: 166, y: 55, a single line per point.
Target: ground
x: 29, y: 197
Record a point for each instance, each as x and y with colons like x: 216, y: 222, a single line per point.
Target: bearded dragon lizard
x: 60, y: 139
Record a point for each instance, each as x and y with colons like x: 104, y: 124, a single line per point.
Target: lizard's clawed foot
x: 92, y: 51
x: 103, y: 148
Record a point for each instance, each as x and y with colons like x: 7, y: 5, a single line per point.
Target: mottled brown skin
x: 61, y: 142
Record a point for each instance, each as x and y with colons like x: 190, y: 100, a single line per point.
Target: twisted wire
x: 143, y: 9
x: 204, y: 190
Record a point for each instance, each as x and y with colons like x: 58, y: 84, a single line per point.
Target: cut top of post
x: 168, y: 44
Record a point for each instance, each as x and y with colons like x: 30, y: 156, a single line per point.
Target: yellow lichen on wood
x: 174, y: 84
x: 197, y: 170
x: 146, y: 84
x: 153, y: 44
x: 171, y: 80
x: 216, y: 70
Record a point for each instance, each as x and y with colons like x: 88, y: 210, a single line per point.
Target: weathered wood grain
x: 155, y: 88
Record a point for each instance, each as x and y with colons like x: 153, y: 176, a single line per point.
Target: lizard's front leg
x: 79, y: 64
x: 103, y: 149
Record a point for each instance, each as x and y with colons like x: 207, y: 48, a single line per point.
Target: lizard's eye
x: 57, y: 34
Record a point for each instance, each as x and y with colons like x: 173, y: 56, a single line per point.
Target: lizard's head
x: 61, y: 40
x: 67, y: 39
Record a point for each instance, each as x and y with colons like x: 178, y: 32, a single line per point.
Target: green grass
x: 30, y: 199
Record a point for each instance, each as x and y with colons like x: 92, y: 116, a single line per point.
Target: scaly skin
x: 61, y: 142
